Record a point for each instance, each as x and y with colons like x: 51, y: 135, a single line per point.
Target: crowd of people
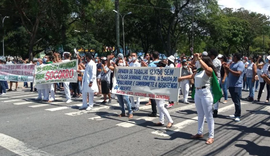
x: 235, y: 73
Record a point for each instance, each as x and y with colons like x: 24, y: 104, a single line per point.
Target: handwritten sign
x: 56, y: 72
x: 155, y: 83
x: 17, y: 72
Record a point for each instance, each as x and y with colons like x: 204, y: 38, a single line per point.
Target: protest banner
x: 155, y: 83
x: 56, y: 72
x: 17, y: 72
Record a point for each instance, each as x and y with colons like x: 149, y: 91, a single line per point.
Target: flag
x: 215, y: 88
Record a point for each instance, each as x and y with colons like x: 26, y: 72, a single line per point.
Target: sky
x: 259, y: 6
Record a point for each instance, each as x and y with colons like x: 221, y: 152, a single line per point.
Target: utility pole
x: 117, y: 26
x: 192, y: 38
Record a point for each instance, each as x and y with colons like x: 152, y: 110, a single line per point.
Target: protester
x: 235, y: 75
x: 89, y: 83
x: 251, y: 72
x: 99, y: 69
x: 216, y: 62
x: 224, y: 78
x: 185, y: 84
x: 134, y: 63
x: 105, y: 78
x: 170, y: 64
x: 203, y: 95
x: 122, y: 99
x: 161, y: 107
x: 264, y: 71
x: 2, y: 82
x: 40, y: 87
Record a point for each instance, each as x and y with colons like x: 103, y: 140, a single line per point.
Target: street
x: 29, y: 127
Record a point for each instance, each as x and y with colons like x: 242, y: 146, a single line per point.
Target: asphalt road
x: 32, y: 128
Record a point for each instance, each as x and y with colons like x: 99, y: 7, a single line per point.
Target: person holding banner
x: 40, y: 87
x: 134, y: 63
x: 163, y: 112
x: 89, y: 83
x: 48, y: 88
x: 66, y: 84
x: 203, y: 96
x: 122, y: 99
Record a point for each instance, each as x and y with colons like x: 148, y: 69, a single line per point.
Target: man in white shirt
x: 89, y: 83
x: 66, y: 84
x: 134, y: 63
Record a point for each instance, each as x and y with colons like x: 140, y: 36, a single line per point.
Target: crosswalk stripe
x: 13, y: 100
x: 3, y: 98
x: 144, y: 119
x: 78, y: 113
x: 22, y: 103
x: 41, y: 105
x: 60, y: 108
x: 188, y: 122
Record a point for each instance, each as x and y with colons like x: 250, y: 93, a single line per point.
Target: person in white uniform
x: 203, y: 96
x: 134, y: 63
x: 163, y: 112
x: 40, y: 87
x: 170, y: 64
x: 89, y: 85
x: 185, y: 84
x: 66, y: 84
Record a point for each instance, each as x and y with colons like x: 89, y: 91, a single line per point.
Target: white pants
x: 67, y: 90
x: 204, y: 102
x: 91, y: 99
x: 185, y: 89
x: 40, y: 93
x: 137, y: 105
x: 49, y: 89
x: 163, y: 112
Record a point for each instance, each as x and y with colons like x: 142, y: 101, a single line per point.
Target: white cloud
x: 259, y: 6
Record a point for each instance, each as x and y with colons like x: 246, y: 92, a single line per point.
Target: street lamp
x: 3, y: 20
x: 123, y: 25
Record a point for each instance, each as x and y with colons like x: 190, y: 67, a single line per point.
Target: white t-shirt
x: 135, y: 64
x: 202, y: 79
x: 259, y: 73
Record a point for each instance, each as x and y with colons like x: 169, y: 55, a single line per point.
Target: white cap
x: 268, y: 57
x: 171, y: 58
x: 104, y: 58
x: 219, y: 56
x: 205, y: 53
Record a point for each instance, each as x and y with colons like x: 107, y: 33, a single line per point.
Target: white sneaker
x: 186, y: 102
x: 232, y: 116
x: 237, y: 119
x: 88, y: 108
x: 3, y: 94
x: 69, y: 101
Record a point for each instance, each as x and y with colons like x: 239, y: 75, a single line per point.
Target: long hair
x: 209, y: 62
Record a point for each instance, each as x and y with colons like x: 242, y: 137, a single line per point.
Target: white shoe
x: 69, y: 101
x: 3, y: 94
x: 232, y: 116
x: 186, y: 102
x: 237, y: 119
x: 89, y: 108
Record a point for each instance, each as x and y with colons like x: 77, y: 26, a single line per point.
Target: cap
x: 205, y: 53
x: 104, y: 58
x: 171, y: 58
x: 220, y: 56
x: 120, y: 55
x: 268, y: 57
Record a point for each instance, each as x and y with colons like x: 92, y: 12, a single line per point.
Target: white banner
x: 56, y: 72
x: 155, y: 83
x: 17, y: 72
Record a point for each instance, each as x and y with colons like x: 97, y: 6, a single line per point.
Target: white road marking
x: 144, y: 119
x: 20, y: 148
x: 188, y: 122
x: 3, y: 98
x: 41, y: 105
x: 61, y: 108
x: 13, y: 100
x: 22, y: 103
x: 94, y: 109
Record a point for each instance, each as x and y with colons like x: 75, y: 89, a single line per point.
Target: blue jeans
x: 6, y: 84
x: 124, y: 99
x: 257, y: 85
x: 224, y: 88
x: 250, y: 87
x: 3, y: 87
x: 25, y: 84
x: 236, y: 94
